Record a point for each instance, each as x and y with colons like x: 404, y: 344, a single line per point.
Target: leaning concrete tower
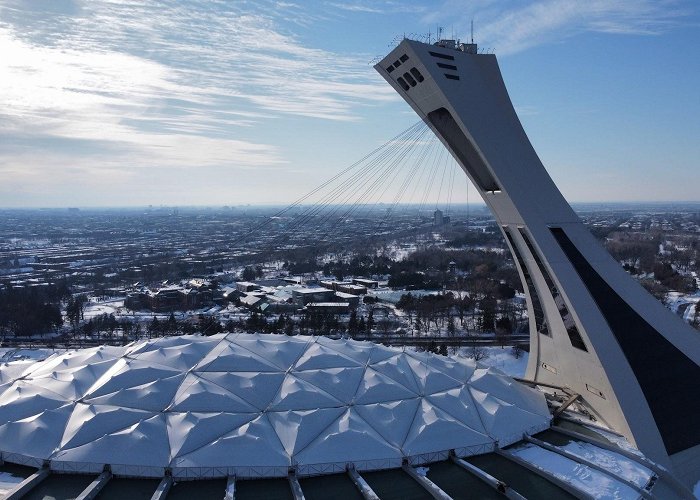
x: 593, y: 329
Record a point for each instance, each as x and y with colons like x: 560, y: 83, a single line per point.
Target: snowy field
x: 502, y: 358
x: 8, y: 481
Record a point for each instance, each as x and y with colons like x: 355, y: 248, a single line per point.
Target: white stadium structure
x: 256, y: 405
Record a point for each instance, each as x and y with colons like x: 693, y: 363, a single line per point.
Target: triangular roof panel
x: 296, y: 429
x: 378, y: 388
x: 341, y: 383
x: 190, y: 431
x: 433, y: 429
x: 282, y: 352
x: 202, y: 395
x: 348, y: 439
x: 254, y: 444
x: 298, y: 394
x: 392, y: 419
x: 258, y: 389
x: 318, y: 357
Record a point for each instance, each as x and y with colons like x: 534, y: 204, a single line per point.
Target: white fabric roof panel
x: 255, y: 405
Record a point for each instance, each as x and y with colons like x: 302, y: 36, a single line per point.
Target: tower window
x: 463, y: 149
x: 390, y: 69
x: 451, y: 77
x: 417, y: 74
x: 442, y: 56
x: 566, y: 316
x: 403, y: 58
x: 403, y: 83
x: 447, y: 66
x: 410, y: 79
x: 537, y: 310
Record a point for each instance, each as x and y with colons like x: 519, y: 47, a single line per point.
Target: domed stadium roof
x: 256, y: 405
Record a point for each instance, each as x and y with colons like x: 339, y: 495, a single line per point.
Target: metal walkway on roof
x: 532, y: 468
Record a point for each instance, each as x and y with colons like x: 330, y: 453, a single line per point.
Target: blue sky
x: 111, y: 103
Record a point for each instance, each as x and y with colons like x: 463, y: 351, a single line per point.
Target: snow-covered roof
x: 256, y: 405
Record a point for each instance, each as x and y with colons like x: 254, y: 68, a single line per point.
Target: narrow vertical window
x: 566, y: 316
x: 417, y: 74
x: 537, y: 310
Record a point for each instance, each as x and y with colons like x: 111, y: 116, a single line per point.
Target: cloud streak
x: 517, y: 26
x: 109, y: 83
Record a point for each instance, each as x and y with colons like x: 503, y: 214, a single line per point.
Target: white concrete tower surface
x: 593, y: 328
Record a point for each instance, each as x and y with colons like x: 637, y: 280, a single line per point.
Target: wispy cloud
x: 519, y: 25
x: 356, y: 7
x: 131, y: 83
x: 380, y: 7
x: 172, y: 85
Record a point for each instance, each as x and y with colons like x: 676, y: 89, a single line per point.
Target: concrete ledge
x: 95, y: 487
x: 28, y: 484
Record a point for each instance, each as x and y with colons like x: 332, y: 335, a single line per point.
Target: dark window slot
x: 463, y: 149
x: 403, y: 58
x: 390, y: 69
x: 538, y: 312
x: 410, y: 79
x: 442, y: 56
x: 403, y: 83
x: 447, y: 66
x: 451, y: 77
x: 664, y: 373
x: 397, y: 64
x: 417, y: 74
x: 566, y: 316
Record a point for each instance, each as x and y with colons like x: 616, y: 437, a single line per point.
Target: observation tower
x: 593, y: 329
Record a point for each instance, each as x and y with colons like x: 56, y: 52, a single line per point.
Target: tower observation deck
x: 593, y: 329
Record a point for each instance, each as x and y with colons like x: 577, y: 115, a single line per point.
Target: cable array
x: 401, y: 178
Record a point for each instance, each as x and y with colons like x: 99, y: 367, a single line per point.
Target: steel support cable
x: 468, y: 210
x: 357, y: 177
x: 442, y: 181
x: 429, y: 184
x: 419, y: 162
x: 375, y: 178
x: 432, y: 174
x: 450, y: 192
x: 423, y: 176
x: 300, y: 200
x: 400, y: 192
x: 331, y: 199
x: 420, y: 157
x: 345, y: 191
x: 346, y: 185
x: 376, y: 183
x: 428, y: 151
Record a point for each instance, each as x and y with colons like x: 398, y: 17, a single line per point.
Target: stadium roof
x: 256, y: 405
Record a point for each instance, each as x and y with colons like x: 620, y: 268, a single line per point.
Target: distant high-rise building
x: 438, y: 218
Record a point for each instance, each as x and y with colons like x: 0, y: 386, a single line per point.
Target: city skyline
x: 120, y: 103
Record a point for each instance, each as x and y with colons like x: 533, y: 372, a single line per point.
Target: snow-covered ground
x: 685, y: 305
x: 9, y: 354
x: 502, y: 358
x: 8, y: 481
x: 110, y: 306
x: 582, y: 477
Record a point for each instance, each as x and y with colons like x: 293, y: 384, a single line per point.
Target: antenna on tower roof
x: 472, y: 30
